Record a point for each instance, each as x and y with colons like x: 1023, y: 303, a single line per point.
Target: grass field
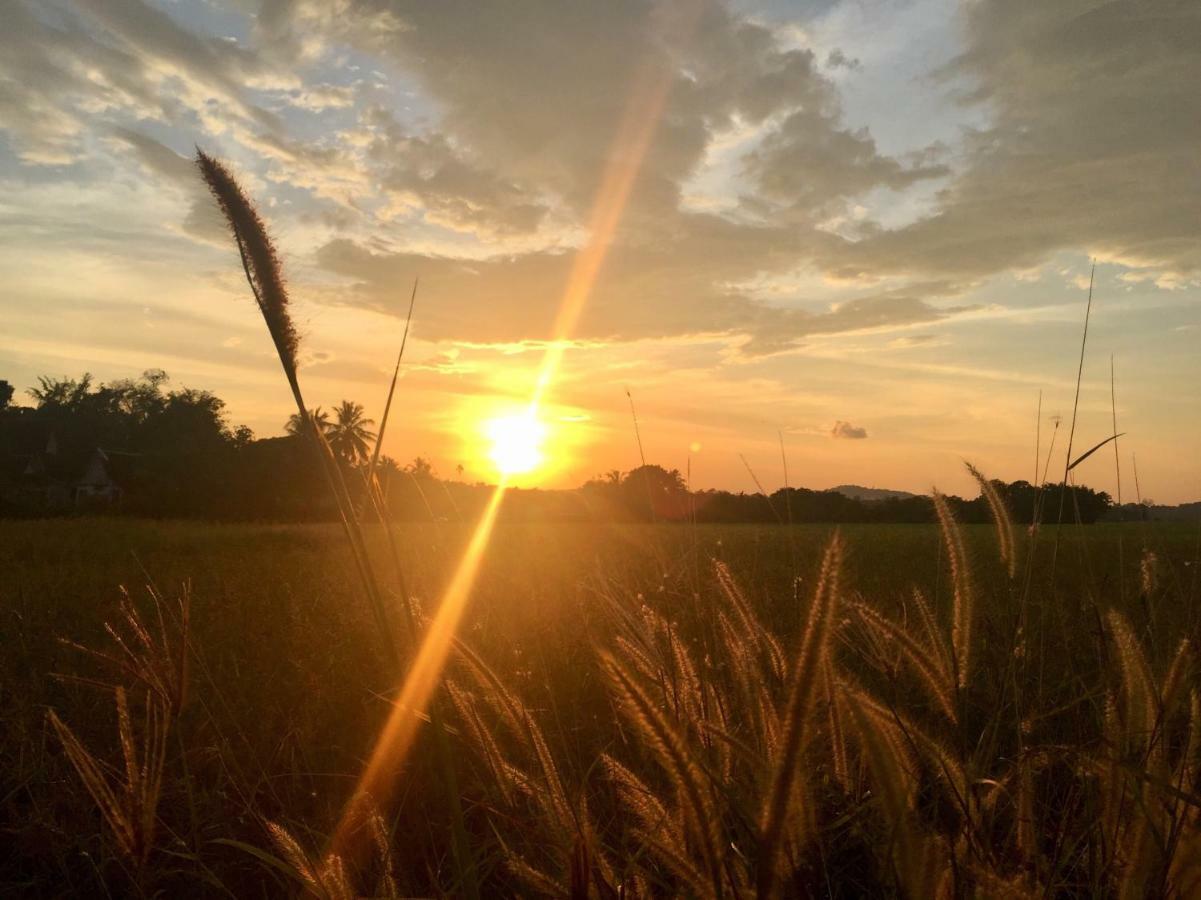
x: 287, y: 689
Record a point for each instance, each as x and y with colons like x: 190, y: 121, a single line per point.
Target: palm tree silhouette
x: 349, y: 436
x: 295, y: 425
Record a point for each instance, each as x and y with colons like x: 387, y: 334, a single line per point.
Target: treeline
x: 142, y: 447
x: 651, y: 493
x: 168, y: 452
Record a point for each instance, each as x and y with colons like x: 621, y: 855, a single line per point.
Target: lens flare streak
x: 634, y: 135
x: 375, y: 784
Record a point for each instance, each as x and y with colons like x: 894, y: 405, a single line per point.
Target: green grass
x: 288, y: 685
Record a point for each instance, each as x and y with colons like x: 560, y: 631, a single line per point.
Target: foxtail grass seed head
x: 259, y: 257
x: 1000, y: 515
x: 1148, y: 570
x: 963, y: 609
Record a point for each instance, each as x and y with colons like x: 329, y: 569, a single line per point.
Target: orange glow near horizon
x: 629, y: 148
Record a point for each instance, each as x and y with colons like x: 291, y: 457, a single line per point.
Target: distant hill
x: 858, y: 492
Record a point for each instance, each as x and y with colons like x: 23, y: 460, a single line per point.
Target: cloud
x: 320, y: 97
x: 1088, y: 147
x: 813, y: 166
x: 63, y: 65
x: 430, y: 174
x: 523, y: 130
x: 485, y: 187
x: 836, y: 59
x: 648, y: 292
x: 845, y: 430
x: 529, y: 97
x: 499, y: 179
x: 907, y: 341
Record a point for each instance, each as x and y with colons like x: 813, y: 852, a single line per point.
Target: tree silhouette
x: 420, y: 468
x: 68, y: 393
x: 295, y: 425
x: 654, y: 492
x: 243, y: 436
x: 349, y: 436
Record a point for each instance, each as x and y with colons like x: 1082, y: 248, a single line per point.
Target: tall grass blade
x: 1067, y: 462
x: 1083, y: 456
x: 383, y: 423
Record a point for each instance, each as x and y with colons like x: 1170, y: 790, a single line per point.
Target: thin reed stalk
x: 1117, y: 471
x: 762, y: 490
x: 1067, y: 464
x: 383, y: 424
x: 379, y: 500
x: 788, y: 504
x: 650, y: 500
x: 1038, y: 436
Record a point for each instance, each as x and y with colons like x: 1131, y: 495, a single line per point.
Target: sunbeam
x: 651, y: 86
x: 376, y: 783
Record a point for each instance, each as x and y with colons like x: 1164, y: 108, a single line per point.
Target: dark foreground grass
x: 287, y: 684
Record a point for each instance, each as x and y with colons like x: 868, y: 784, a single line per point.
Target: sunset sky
x: 864, y: 225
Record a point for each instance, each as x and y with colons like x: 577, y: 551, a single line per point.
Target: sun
x: 515, y: 443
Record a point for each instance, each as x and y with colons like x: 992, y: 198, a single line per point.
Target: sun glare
x: 515, y: 443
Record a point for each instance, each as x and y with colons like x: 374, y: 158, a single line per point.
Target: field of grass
x: 1067, y: 766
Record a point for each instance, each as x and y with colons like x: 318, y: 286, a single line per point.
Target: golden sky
x: 865, y: 226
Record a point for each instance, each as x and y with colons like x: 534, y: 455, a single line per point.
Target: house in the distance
x: 95, y: 485
x: 55, y: 480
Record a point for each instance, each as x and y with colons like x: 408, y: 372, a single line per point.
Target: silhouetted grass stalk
x: 1067, y: 462
x: 377, y: 496
x: 1117, y: 471
x: 264, y: 274
x: 260, y: 262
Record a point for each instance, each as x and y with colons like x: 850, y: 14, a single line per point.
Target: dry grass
x: 127, y: 796
x: 736, y: 766
x: 628, y: 740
